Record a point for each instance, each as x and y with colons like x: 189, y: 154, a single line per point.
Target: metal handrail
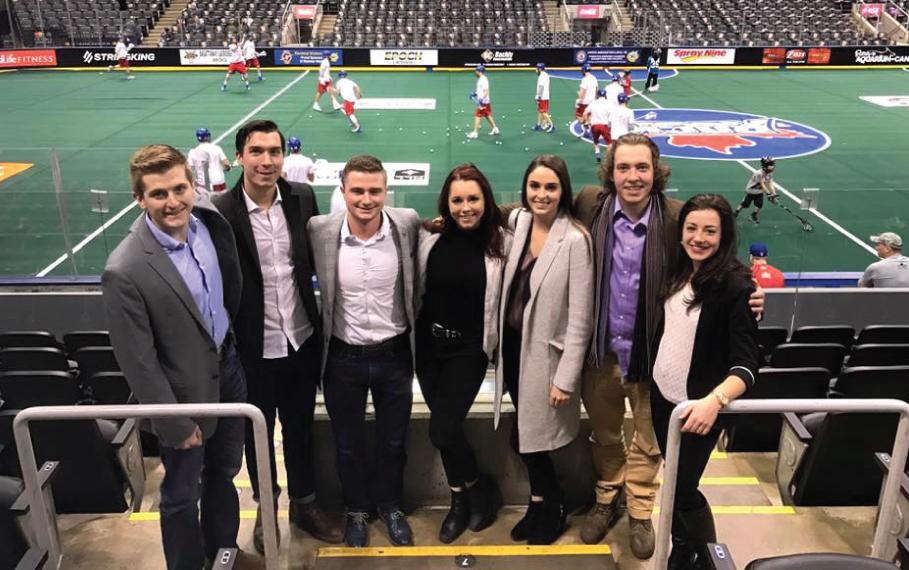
x: 883, y: 406
x: 44, y: 527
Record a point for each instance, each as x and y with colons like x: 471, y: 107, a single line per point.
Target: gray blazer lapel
x: 549, y: 254
x: 331, y: 241
x: 163, y: 266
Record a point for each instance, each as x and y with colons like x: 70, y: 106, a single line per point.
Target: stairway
x: 554, y: 17
x: 327, y: 25
x: 626, y: 22
x: 168, y: 20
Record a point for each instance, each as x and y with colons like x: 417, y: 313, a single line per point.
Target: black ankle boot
x: 485, y: 500
x: 456, y: 520
x: 550, y: 523
x: 692, y: 530
x: 521, y: 531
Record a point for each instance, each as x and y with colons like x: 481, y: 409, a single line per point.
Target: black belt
x: 386, y: 346
x: 438, y: 331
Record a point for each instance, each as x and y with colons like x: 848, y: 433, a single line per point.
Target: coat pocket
x: 555, y: 356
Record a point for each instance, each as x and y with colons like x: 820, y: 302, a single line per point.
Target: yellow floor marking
x: 488, y: 550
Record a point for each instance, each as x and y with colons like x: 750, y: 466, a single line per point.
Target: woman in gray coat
x: 546, y: 325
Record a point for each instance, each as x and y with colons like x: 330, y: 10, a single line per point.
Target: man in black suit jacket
x: 278, y: 323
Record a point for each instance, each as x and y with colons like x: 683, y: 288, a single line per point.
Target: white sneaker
x: 655, y: 88
x: 472, y: 135
x: 494, y: 131
x: 130, y: 76
x: 316, y: 107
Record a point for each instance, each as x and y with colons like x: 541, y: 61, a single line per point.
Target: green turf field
x: 95, y: 122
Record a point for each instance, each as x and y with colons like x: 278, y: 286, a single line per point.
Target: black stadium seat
x: 94, y: 359
x: 771, y: 337
x: 33, y: 359
x: 879, y: 355
x: 799, y: 355
x: 821, y: 561
x: 28, y: 339
x: 884, y: 334
x: 79, y: 339
x: 761, y: 432
x: 838, y: 334
x: 24, y: 389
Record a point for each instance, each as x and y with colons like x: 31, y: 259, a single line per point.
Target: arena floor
x: 852, y: 149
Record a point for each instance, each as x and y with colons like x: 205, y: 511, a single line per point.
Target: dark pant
x: 204, y: 473
x: 756, y: 199
x: 350, y: 373
x: 540, y: 469
x: 652, y: 79
x: 450, y: 381
x: 694, y: 452
x: 287, y: 385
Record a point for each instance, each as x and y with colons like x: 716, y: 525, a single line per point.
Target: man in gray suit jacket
x: 364, y: 260
x: 171, y: 288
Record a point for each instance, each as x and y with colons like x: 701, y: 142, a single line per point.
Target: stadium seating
x: 761, y: 432
x: 814, y: 447
x: 793, y: 355
x: 749, y: 23
x: 16, y: 551
x: 884, y: 334
x: 839, y: 334
x: 820, y: 561
x: 86, y: 23
x: 217, y: 23
x: 769, y: 338
x: 443, y: 23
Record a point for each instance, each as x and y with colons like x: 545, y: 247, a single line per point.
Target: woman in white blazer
x: 460, y: 260
x: 545, y: 321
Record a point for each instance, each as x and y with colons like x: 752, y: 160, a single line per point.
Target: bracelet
x: 721, y: 398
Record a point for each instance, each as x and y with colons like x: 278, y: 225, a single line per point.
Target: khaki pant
x: 635, y: 468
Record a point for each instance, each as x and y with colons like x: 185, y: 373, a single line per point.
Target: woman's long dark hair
x: 716, y: 269
x: 492, y: 223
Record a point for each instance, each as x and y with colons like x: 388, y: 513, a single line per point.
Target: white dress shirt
x: 285, y: 317
x: 367, y: 308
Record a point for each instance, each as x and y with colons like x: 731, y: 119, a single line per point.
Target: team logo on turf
x: 704, y: 134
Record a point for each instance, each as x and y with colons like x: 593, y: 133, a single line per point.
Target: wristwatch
x: 721, y: 397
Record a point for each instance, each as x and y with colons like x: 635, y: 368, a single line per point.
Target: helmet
x: 203, y: 134
x: 767, y: 161
x: 601, y: 92
x: 480, y: 68
x: 585, y: 68
x: 294, y: 144
x: 657, y: 51
x: 616, y: 77
x: 541, y: 66
x: 342, y: 73
x: 623, y: 98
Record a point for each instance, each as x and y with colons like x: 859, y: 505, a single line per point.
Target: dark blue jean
x: 204, y: 474
x: 348, y: 379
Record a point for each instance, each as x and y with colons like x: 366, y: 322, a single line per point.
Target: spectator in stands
x: 482, y: 97
x: 633, y: 225
x: 170, y: 291
x: 764, y: 274
x: 367, y: 344
x: 545, y: 323
x: 893, y: 268
x: 461, y: 261
x: 278, y: 324
x: 707, y: 352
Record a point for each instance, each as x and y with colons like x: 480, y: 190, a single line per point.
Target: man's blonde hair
x: 154, y: 159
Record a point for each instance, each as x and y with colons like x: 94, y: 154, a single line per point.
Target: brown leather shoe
x: 642, y: 537
x: 310, y: 518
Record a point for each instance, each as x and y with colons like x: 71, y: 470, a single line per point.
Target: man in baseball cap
x: 893, y: 268
x: 766, y: 275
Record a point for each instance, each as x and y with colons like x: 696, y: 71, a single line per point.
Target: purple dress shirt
x: 624, y: 281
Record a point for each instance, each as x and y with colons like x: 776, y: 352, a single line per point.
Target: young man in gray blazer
x: 365, y: 264
x: 278, y: 325
x: 171, y: 289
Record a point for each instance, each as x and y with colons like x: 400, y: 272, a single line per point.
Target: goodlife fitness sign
x: 404, y: 57
x: 705, y: 56
x: 305, y: 12
x: 28, y: 58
